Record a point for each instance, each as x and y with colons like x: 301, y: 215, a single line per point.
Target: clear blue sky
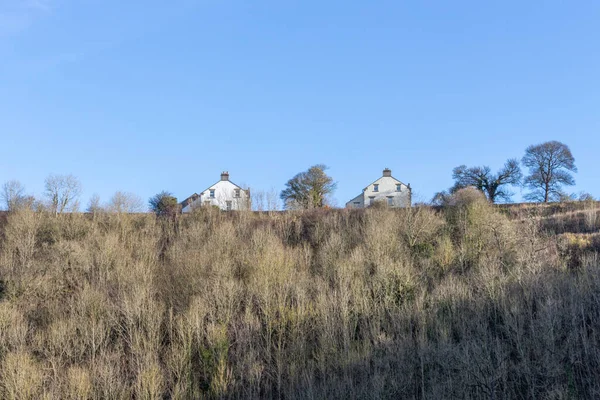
x: 143, y: 96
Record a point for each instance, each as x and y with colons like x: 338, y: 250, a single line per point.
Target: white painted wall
x: 225, y: 191
x: 227, y: 196
x: 387, y: 188
x: 387, y: 191
x: 357, y: 202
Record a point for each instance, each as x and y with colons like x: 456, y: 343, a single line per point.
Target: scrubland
x: 469, y: 301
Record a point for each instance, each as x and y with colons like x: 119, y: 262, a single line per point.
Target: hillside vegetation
x: 470, y: 301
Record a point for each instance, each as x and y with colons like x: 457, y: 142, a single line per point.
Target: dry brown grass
x: 557, y: 218
x: 466, y: 302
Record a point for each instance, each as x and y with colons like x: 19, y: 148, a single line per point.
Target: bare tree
x: 308, y: 189
x: 482, y: 178
x: 125, y: 202
x: 62, y: 192
x: 13, y: 195
x: 272, y: 200
x: 549, y: 165
x: 585, y: 196
x: 266, y: 200
x: 94, y: 205
x: 258, y: 200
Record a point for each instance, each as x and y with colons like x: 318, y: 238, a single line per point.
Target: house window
x: 357, y: 204
x: 228, y: 202
x: 236, y: 193
x: 376, y: 187
x: 371, y: 200
x: 212, y: 193
x: 390, y: 201
x: 398, y: 187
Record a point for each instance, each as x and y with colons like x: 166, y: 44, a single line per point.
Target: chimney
x: 387, y: 172
x: 224, y: 176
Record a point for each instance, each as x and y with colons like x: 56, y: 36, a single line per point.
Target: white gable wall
x: 224, y: 191
x: 223, y: 194
x: 387, y: 192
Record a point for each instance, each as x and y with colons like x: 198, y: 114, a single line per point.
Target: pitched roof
x: 397, y: 180
x: 383, y: 176
x: 208, y: 188
x: 352, y: 200
x: 189, y: 200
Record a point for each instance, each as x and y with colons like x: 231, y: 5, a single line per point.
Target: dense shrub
x: 461, y: 302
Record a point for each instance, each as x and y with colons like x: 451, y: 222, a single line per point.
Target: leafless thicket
x: 378, y: 303
x: 62, y: 193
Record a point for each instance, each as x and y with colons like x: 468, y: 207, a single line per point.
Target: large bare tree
x: 13, y: 196
x: 494, y: 186
x: 62, y: 192
x: 308, y: 189
x: 549, y: 165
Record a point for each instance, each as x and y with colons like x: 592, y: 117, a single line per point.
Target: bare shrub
x: 464, y: 301
x: 94, y: 206
x: 20, y: 242
x: 22, y: 377
x: 13, y: 328
x: 125, y: 202
x: 419, y: 227
x: 79, y: 383
x: 480, y: 233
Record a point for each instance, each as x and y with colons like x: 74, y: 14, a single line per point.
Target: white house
x: 224, y: 194
x: 385, y: 189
